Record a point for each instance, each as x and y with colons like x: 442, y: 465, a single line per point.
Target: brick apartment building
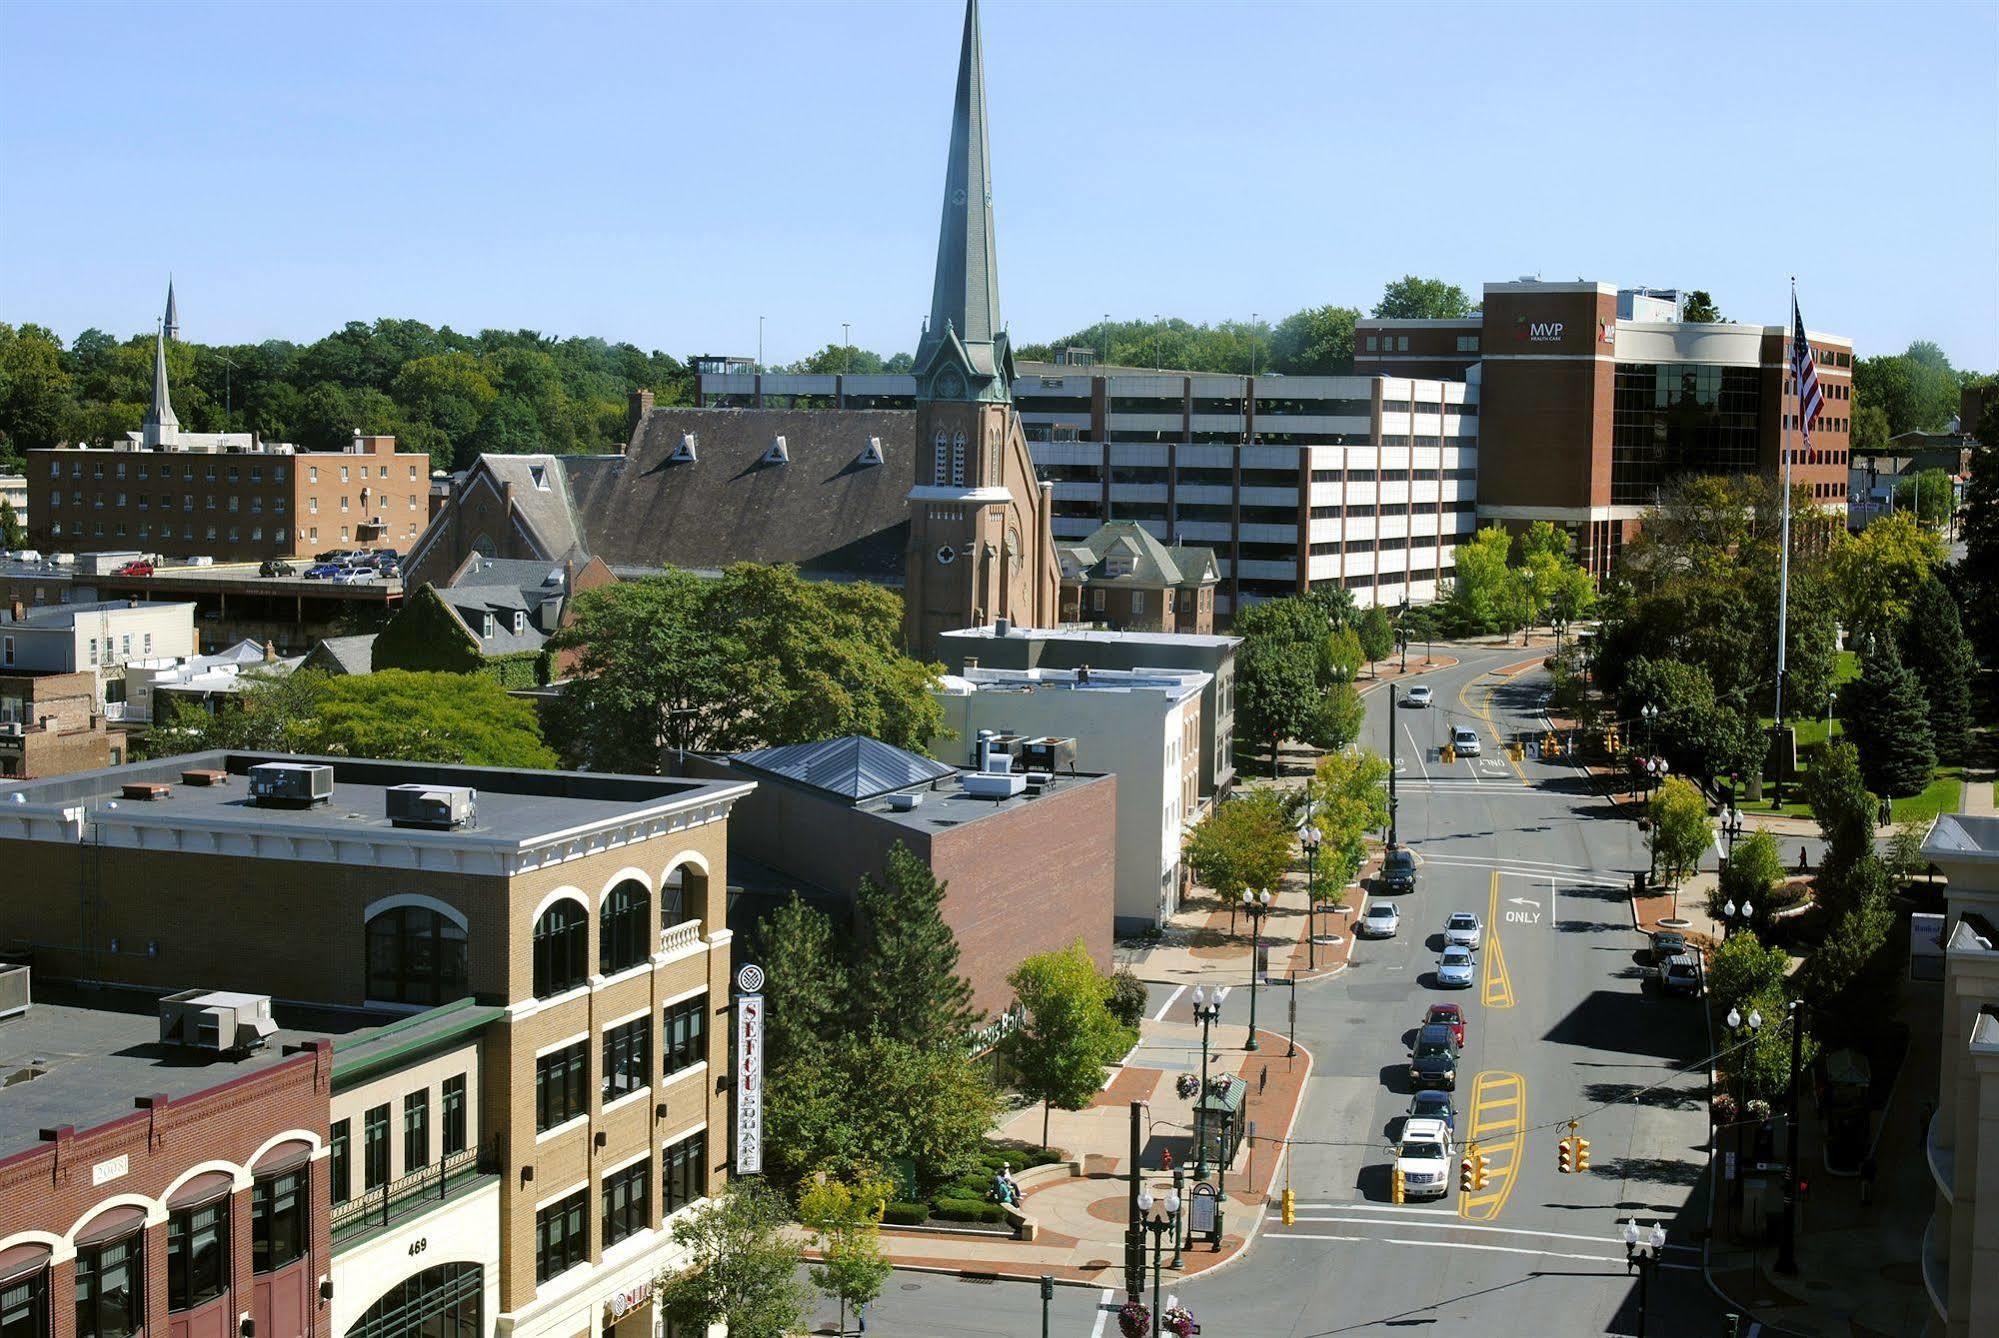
x: 1592, y: 399
x: 1027, y: 872
x: 51, y: 724
x: 1123, y: 577
x: 587, y: 909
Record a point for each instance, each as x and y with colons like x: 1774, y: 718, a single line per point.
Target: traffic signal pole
x: 1391, y: 766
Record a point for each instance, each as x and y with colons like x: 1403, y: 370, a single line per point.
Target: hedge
x: 905, y: 1214
x: 967, y: 1210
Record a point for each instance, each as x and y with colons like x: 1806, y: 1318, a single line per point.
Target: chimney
x: 270, y: 653
x: 637, y: 405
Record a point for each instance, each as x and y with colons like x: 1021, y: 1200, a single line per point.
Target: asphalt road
x: 1561, y: 1024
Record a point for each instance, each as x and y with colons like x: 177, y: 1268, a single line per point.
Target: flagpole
x: 1784, y: 559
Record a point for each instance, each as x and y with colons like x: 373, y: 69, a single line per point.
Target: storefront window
x: 278, y: 1223
x: 111, y: 1285
x: 440, y: 1302
x: 24, y: 1306
x: 197, y: 1254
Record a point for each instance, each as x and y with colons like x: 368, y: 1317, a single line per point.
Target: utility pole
x: 1134, y: 1233
x: 1391, y: 767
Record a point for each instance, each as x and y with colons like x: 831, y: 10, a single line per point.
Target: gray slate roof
x: 472, y: 603
x: 343, y: 655
x: 824, y: 511
x: 1152, y: 563
x: 853, y: 768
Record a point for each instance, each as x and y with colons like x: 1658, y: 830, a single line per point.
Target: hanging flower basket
x: 1724, y: 1108
x: 1178, y: 1321
x: 1134, y: 1320
x: 1759, y: 1109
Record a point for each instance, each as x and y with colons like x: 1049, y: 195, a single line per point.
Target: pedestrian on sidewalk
x: 1804, y: 861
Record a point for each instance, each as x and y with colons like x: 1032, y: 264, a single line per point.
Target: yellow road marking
x: 1495, y: 985
x: 1500, y: 1139
x: 1484, y: 712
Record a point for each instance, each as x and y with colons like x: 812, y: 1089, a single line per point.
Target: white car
x: 1465, y: 741
x: 1462, y: 930
x: 1454, y: 968
x: 1381, y: 920
x: 1419, y: 695
x: 1424, y: 1158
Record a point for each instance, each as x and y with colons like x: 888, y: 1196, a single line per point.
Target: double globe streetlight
x: 1642, y: 1248
x: 1733, y: 915
x: 1159, y: 1216
x: 1255, y: 905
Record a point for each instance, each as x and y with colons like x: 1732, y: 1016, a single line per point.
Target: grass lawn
x: 1941, y: 796
x: 1845, y: 668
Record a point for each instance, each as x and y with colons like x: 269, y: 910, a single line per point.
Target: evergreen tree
x: 804, y: 981
x: 1941, y: 660
x: 903, y: 974
x: 1891, y: 720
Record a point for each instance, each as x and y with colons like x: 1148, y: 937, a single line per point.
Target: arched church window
x: 958, y: 460
x: 943, y: 446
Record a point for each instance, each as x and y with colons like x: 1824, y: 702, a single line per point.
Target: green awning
x: 1227, y: 1101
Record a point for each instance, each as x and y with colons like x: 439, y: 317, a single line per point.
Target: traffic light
x: 1478, y: 1171
x: 1467, y: 1174
x: 1565, y: 1157
x: 1395, y: 1180
x: 1582, y: 1153
x: 1290, y: 1208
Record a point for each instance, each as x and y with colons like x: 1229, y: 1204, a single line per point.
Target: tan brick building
x: 587, y: 910
x: 51, y: 724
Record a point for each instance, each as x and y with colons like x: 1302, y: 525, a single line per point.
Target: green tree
x: 1349, y: 798
x: 13, y: 534
x: 273, y: 712
x: 1890, y: 723
x: 1930, y: 495
x: 1879, y: 571
x: 1850, y: 977
x: 1870, y: 430
x: 1067, y: 1037
x: 1763, y: 1064
x: 1680, y: 829
x: 1242, y: 845
x: 845, y: 1216
x: 34, y: 389
x: 1844, y: 810
x: 741, y: 1266
x: 1276, y: 692
x: 1941, y: 659
x: 1917, y: 389
x: 931, y: 1107
x: 1377, y: 634
x: 903, y: 979
x: 1754, y: 870
x: 1318, y: 341
x: 1336, y: 718
x: 1700, y: 308
x: 1411, y: 298
x: 805, y: 982
x: 1744, y: 968
x: 1484, y: 596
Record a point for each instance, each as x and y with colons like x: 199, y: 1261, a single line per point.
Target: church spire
x: 965, y: 298
x: 161, y: 427
x: 173, y: 313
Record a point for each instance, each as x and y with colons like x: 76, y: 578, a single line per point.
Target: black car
x: 1398, y: 870
x: 1434, y: 1060
x: 276, y: 567
x: 1667, y: 944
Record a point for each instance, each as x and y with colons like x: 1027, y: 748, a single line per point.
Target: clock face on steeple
x: 950, y: 385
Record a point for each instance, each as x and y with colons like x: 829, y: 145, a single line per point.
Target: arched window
x: 416, y: 955
x: 681, y: 895
x: 561, y: 937
x: 958, y: 460
x: 940, y: 461
x: 624, y: 929
x: 443, y: 1301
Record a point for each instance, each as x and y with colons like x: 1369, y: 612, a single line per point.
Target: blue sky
x: 667, y: 173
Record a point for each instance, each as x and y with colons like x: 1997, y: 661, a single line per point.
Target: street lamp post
x: 1787, y: 1244
x: 1735, y: 1024
x: 1651, y: 715
x: 1309, y: 838
x: 1255, y: 905
x: 1729, y: 919
x: 1642, y: 1248
x: 1207, y: 1008
x: 1159, y: 1215
x: 1731, y: 826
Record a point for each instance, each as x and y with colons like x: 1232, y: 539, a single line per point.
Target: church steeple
x: 173, y: 313
x: 161, y: 427
x: 964, y: 300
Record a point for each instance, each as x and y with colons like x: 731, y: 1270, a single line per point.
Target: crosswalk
x: 1441, y: 1228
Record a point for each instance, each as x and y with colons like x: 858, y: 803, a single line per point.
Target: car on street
x: 276, y: 567
x: 1666, y: 944
x: 1432, y: 1104
x: 1419, y: 695
x: 1446, y: 1015
x: 1454, y: 969
x: 1680, y: 974
x: 1398, y: 870
x: 1381, y: 920
x: 1465, y: 741
x: 1462, y: 929
x: 1433, y: 1060
x: 1424, y: 1158
x: 139, y: 568
x: 322, y: 571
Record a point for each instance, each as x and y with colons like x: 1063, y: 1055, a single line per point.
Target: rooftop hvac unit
x: 290, y: 784
x: 439, y: 807
x: 994, y: 785
x: 15, y: 992
x: 1049, y: 753
x: 216, y: 1021
x: 904, y: 802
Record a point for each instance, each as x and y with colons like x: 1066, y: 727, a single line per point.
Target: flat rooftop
x: 79, y: 1056
x: 1095, y: 636
x: 514, y: 806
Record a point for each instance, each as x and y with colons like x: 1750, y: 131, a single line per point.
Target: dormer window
x: 520, y: 622
x: 486, y: 625
x: 687, y: 452
x: 871, y: 454
x: 778, y: 454
x: 538, y: 475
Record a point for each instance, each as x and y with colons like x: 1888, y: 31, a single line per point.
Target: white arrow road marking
x: 1524, y: 901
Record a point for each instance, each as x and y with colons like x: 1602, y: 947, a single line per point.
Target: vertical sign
x: 749, y: 1085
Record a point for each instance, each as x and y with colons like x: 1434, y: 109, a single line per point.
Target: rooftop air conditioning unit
x: 994, y: 785
x: 438, y: 807
x: 16, y: 992
x: 217, y: 1021
x: 902, y: 803
x: 290, y: 784
x: 1049, y: 753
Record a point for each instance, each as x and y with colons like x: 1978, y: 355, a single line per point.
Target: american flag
x: 1804, y: 375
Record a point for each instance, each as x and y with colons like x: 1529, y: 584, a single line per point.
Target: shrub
x: 905, y: 1214
x: 1127, y: 1001
x: 967, y: 1210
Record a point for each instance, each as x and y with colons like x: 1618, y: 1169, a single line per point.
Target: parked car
x: 139, y: 568
x: 1463, y: 930
x: 1465, y: 740
x: 355, y: 575
x: 1433, y: 1061
x: 1424, y: 1158
x: 1433, y: 1104
x: 1667, y: 944
x: 1680, y: 974
x: 276, y: 567
x: 1381, y: 920
x: 1454, y: 969
x: 323, y: 571
x: 1419, y: 695
x: 1398, y: 870
x: 1446, y: 1015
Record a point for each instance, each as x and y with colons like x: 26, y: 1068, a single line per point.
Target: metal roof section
x: 854, y: 768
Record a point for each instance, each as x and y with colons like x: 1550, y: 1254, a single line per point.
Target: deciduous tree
x: 1067, y: 1036
x: 1349, y: 798
x: 1680, y: 830
x: 1412, y: 298
x: 1318, y: 341
x: 1377, y: 634
x: 845, y: 1215
x: 1243, y: 845
x: 1880, y: 569
x: 1744, y: 968
x: 741, y: 1268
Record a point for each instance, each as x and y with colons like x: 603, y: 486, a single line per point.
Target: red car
x: 135, y: 569
x: 1447, y: 1015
